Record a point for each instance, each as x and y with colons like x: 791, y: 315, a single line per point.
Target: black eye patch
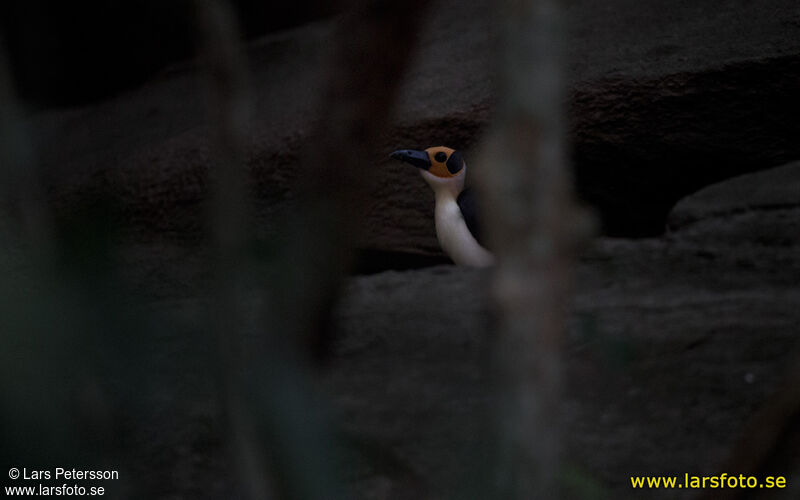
x: 441, y: 156
x: 455, y: 163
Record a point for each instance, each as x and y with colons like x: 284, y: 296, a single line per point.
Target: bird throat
x: 453, y: 234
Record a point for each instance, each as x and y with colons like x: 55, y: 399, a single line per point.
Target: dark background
x: 67, y: 53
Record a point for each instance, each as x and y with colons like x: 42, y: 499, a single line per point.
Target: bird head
x: 442, y: 168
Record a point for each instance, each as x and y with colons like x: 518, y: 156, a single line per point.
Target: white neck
x: 453, y: 234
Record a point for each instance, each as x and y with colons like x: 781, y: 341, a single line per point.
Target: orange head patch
x: 445, y: 162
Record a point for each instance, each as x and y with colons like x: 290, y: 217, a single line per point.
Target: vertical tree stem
x: 229, y: 120
x: 530, y: 210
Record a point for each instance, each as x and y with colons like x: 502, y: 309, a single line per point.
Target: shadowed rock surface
x: 674, y: 344
x: 697, y: 92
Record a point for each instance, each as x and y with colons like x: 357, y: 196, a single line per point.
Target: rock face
x: 698, y: 92
x: 777, y: 189
x: 674, y: 343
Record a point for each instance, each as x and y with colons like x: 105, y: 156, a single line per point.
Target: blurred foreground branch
x: 269, y: 407
x: 371, y: 52
x: 56, y: 314
x: 19, y: 184
x: 531, y: 214
x: 228, y: 116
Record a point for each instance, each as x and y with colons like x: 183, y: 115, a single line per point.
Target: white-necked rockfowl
x: 444, y: 169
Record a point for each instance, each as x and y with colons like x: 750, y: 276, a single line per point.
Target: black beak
x: 419, y: 159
